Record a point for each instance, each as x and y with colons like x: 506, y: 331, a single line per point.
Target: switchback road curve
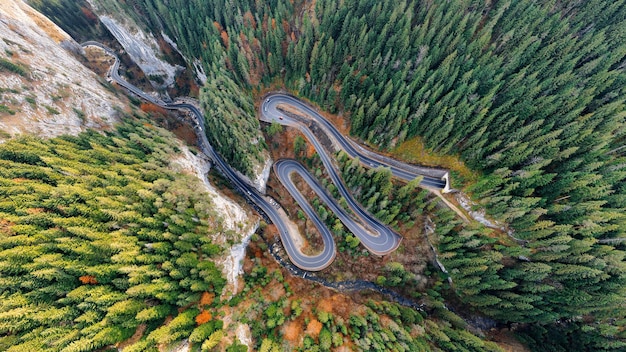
x: 388, y: 240
x: 383, y: 242
x: 435, y: 179
x: 262, y: 204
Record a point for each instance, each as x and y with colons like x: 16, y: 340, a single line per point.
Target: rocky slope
x: 141, y: 46
x: 240, y: 223
x: 44, y: 89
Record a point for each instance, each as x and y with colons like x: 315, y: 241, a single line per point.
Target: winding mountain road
x: 375, y: 236
x: 384, y: 241
x: 432, y: 178
x: 261, y: 202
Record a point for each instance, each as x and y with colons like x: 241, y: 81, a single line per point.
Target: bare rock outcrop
x: 44, y: 89
x: 141, y: 45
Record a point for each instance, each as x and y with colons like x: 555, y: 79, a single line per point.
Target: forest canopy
x: 100, y: 238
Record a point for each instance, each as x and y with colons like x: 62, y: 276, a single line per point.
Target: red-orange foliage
x: 310, y: 150
x: 151, y: 108
x: 88, y: 279
x: 249, y: 19
x: 207, y: 298
x: 225, y: 39
x: 5, y: 226
x: 292, y: 330
x: 89, y: 14
x: 165, y: 47
x: 203, y: 317
x: 194, y: 90
x: 314, y: 328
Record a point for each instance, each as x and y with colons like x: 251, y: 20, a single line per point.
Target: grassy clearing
x: 414, y: 151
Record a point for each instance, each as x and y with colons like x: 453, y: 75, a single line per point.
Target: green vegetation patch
x: 31, y: 100
x: 6, y: 110
x: 374, y: 189
x: 97, y: 237
x: 297, y: 321
x: 231, y: 125
x: 51, y: 110
x: 75, y: 17
x: 8, y: 66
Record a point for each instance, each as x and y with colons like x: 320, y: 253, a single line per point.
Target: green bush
x: 8, y: 66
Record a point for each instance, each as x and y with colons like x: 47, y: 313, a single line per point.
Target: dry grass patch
x: 414, y: 151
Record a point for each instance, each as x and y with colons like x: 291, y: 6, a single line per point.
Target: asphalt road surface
x: 382, y: 242
x: 432, y: 178
x: 271, y: 214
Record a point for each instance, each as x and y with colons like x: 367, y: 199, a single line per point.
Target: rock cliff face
x: 263, y: 174
x: 44, y: 90
x: 200, y: 75
x: 236, y: 219
x: 141, y: 46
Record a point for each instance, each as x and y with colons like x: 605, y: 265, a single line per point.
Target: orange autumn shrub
x: 292, y: 331
x: 314, y: 328
x: 203, y: 317
x: 88, y: 279
x: 151, y: 108
x: 207, y: 298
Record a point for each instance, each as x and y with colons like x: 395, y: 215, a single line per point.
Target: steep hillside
x: 44, y: 89
x: 100, y: 241
x: 141, y: 46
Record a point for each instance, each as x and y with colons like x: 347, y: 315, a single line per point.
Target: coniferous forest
x: 97, y: 237
x: 528, y: 94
